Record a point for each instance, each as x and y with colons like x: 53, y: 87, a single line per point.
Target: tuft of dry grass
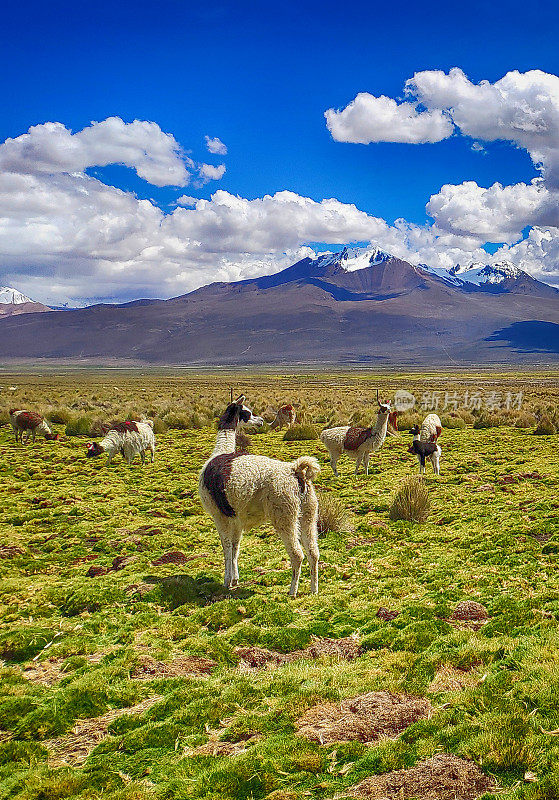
x: 411, y: 502
x: 300, y: 433
x: 545, y: 426
x: 333, y: 515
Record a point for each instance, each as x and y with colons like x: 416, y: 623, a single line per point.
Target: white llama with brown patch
x: 357, y: 443
x: 241, y: 491
x: 30, y: 423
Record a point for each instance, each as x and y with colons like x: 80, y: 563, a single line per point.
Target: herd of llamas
x: 240, y: 490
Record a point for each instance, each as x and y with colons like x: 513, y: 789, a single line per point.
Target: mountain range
x: 357, y: 306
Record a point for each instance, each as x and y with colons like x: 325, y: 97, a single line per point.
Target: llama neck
x: 224, y: 443
x: 379, y: 431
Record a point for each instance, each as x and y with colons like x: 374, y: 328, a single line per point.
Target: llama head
x: 236, y: 413
x: 94, y: 449
x: 415, y: 430
x: 384, y: 408
x: 52, y: 437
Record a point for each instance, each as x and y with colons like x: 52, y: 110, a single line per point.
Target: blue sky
x: 260, y: 76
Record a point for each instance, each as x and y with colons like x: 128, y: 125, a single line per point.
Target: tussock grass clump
x: 83, y: 425
x: 159, y: 425
x: 407, y: 420
x: 411, y: 502
x: 488, y: 419
x: 545, y: 426
x: 525, y: 420
x: 300, y: 433
x: 59, y: 416
x: 453, y: 422
x: 333, y: 516
x: 255, y: 430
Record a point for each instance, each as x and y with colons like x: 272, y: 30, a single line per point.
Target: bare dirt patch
x: 345, y: 649
x: 176, y: 557
x: 470, y: 614
x: 183, y: 666
x: 365, y: 718
x: 387, y: 614
x: 217, y: 748
x: 73, y: 748
x: 442, y: 777
x: 50, y: 671
x: 450, y: 679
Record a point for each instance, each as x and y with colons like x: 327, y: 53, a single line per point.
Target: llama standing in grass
x: 285, y: 416
x: 241, y: 491
x: 357, y: 443
x: 32, y: 423
x: 128, y: 438
x: 425, y: 450
x: 424, y: 443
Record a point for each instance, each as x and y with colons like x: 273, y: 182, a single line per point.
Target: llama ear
x: 240, y: 399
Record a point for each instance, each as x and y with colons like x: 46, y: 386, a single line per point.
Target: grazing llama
x: 357, y: 443
x: 241, y: 491
x: 128, y: 438
x: 31, y: 423
x: 285, y: 416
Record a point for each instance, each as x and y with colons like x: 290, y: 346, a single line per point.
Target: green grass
x: 488, y: 538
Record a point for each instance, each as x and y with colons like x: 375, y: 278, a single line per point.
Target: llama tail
x: 306, y: 469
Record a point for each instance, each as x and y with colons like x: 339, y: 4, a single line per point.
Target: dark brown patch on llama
x: 355, y: 437
x: 393, y: 420
x: 124, y: 427
x: 216, y: 475
x: 441, y: 777
x: 28, y: 420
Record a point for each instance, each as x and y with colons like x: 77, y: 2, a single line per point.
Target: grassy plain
x: 77, y: 647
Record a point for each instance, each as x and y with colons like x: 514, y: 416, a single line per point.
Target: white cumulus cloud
x: 216, y: 146
x: 381, y: 119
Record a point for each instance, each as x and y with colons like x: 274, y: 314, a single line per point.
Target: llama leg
x: 227, y: 545
x: 235, y: 547
x: 357, y: 464
x: 287, y: 531
x: 309, y: 540
x: 366, y: 463
x: 334, y: 462
x: 152, y: 448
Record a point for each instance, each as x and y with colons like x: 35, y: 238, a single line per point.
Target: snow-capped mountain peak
x: 351, y: 259
x: 11, y: 296
x: 486, y: 273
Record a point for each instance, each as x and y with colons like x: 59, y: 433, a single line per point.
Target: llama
x: 424, y: 443
x: 423, y: 450
x: 285, y: 416
x: 128, y: 438
x: 357, y: 443
x: 241, y: 491
x: 31, y: 423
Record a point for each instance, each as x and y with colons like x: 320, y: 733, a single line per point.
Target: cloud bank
x: 65, y: 236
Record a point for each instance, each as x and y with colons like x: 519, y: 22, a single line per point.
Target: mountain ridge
x: 321, y: 310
